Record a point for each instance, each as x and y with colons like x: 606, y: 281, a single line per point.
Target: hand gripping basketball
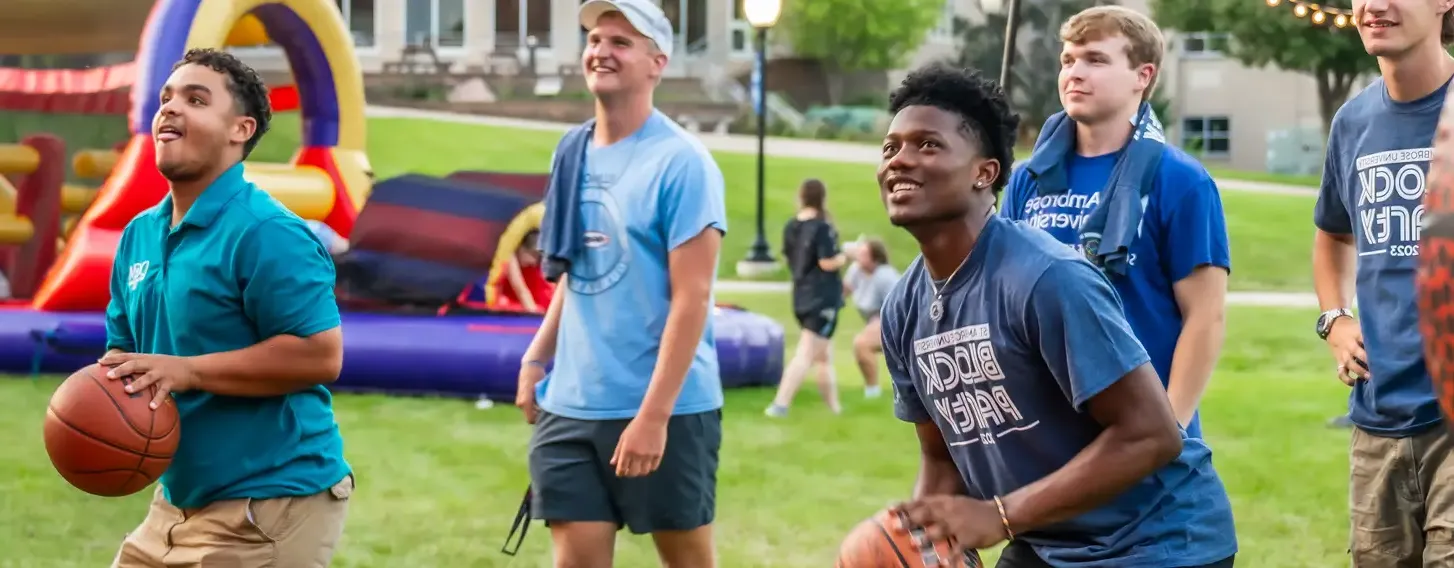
x: 167, y: 373
x: 969, y: 523
x: 889, y: 540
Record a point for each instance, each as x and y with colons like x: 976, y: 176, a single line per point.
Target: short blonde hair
x: 1147, y: 45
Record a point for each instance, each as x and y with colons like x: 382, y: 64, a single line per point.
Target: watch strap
x: 1326, y: 319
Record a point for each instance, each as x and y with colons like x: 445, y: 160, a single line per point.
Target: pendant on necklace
x: 936, y: 309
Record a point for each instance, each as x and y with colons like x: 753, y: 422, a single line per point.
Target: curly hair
x: 984, y: 113
x: 249, y: 93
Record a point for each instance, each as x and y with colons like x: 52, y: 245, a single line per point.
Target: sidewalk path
x: 1257, y: 299
x: 825, y: 150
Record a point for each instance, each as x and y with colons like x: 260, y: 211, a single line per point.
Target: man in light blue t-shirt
x: 628, y: 420
x: 1401, y: 484
x: 1040, y: 418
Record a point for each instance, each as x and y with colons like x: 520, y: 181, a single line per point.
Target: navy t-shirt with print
x: 1031, y: 332
x: 1183, y: 228
x: 1373, y: 189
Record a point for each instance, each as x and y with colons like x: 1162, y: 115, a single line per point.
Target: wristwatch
x: 1326, y: 319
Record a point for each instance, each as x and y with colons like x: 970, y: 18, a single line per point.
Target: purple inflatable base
x: 470, y: 355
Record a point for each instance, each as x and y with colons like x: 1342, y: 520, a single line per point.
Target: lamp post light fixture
x: 1011, y: 10
x: 762, y: 14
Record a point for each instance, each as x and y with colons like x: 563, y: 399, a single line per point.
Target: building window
x: 740, y: 29
x: 1204, y: 44
x: 689, y: 24
x: 359, y: 15
x: 436, y: 23
x: 1207, y: 135
x: 532, y: 16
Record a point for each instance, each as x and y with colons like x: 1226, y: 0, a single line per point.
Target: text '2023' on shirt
x: 1373, y: 189
x: 1182, y: 228
x: 1030, y: 333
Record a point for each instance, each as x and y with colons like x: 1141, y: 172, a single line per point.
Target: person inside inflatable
x: 522, y: 286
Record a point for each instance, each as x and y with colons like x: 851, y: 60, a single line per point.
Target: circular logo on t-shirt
x: 605, y: 257
x: 1092, y: 247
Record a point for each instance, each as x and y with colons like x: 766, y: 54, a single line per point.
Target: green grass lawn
x: 439, y: 481
x: 1270, y: 234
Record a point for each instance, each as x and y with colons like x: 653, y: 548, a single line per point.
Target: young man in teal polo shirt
x: 223, y: 300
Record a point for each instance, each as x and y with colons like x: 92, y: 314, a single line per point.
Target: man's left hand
x: 969, y: 523
x: 639, y: 451
x: 168, y: 373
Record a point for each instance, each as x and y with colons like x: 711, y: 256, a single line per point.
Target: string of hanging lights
x: 1318, y: 14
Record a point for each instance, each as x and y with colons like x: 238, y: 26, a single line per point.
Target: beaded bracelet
x: 1005, y: 519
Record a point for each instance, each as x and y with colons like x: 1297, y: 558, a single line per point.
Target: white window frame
x: 1205, y: 39
x: 739, y: 26
x: 344, y: 8
x: 1206, y: 134
x: 452, y: 51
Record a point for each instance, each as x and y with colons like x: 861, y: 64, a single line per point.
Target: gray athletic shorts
x: 572, y: 479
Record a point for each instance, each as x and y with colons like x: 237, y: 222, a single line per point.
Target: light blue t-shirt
x: 870, y: 289
x: 1182, y: 227
x: 1030, y: 333
x: 239, y: 268
x: 1373, y: 187
x: 642, y: 197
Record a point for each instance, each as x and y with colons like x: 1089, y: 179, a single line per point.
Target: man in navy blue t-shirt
x: 1040, y: 418
x: 1368, y: 212
x: 1174, y: 284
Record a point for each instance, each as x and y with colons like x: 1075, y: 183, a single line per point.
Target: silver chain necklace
x: 936, y: 308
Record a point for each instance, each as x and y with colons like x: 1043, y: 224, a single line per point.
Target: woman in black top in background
x: 810, y: 245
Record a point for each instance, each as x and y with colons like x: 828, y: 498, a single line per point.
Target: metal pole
x: 1012, y: 31
x: 760, y: 251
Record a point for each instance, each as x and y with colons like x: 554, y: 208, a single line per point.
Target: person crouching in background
x: 810, y: 245
x: 524, y: 286
x: 869, y: 280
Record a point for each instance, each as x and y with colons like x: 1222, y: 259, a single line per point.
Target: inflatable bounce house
x: 417, y: 245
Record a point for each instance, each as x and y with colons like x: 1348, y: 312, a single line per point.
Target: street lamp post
x: 762, y: 14
x: 1011, y: 9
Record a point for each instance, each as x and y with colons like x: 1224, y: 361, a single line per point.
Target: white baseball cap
x: 644, y: 15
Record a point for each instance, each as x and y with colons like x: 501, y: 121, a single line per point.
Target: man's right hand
x: 530, y: 375
x: 1345, y: 340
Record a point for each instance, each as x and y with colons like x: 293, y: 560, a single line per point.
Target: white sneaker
x: 775, y: 411
x: 872, y: 392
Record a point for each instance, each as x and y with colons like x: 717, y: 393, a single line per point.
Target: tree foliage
x: 1263, y: 36
x: 858, y: 35
x: 1036, y: 69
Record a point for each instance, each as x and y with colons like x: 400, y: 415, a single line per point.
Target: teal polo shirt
x: 238, y: 269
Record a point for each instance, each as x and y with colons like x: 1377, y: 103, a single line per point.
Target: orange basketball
x: 1436, y: 264
x: 883, y: 542
x: 106, y: 441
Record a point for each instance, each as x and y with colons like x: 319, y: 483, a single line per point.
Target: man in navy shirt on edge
x: 1368, y: 211
x: 1040, y: 418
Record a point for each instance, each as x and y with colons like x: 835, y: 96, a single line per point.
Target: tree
x: 1261, y: 36
x: 857, y: 35
x: 1036, y: 70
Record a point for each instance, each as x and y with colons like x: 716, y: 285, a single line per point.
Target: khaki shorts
x: 1402, y: 500
x: 286, y: 532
